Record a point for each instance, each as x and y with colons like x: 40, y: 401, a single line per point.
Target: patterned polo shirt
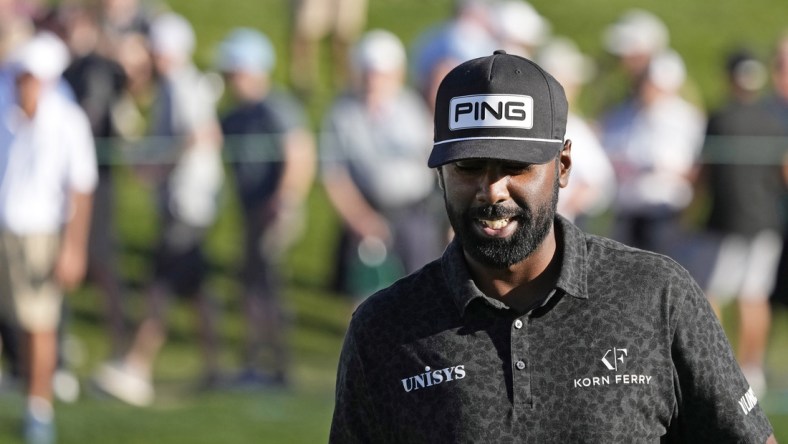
x: 625, y: 349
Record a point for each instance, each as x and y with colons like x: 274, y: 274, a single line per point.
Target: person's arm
x: 354, y: 419
x: 72, y: 259
x: 715, y: 403
x: 287, y: 205
x: 300, y: 165
x: 352, y: 207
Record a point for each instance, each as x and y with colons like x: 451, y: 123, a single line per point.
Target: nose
x: 493, y: 185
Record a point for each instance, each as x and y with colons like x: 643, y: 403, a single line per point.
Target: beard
x: 534, y: 224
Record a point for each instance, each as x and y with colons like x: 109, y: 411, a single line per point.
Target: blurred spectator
x: 466, y: 35
x: 592, y: 182
x: 15, y: 27
x: 635, y: 38
x: 777, y: 103
x: 98, y: 83
x: 132, y: 52
x: 745, y: 187
x: 653, y: 141
x: 47, y: 176
x: 519, y: 28
x: 313, y: 21
x: 375, y: 142
x: 631, y: 42
x: 273, y: 158
x: 122, y: 17
x: 186, y: 127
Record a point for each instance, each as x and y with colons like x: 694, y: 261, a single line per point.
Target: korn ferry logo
x: 616, y: 355
x: 613, y: 360
x: 491, y: 110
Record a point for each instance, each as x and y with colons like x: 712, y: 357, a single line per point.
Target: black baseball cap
x: 498, y: 107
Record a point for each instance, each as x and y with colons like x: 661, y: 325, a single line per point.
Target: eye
x: 515, y: 168
x: 469, y: 165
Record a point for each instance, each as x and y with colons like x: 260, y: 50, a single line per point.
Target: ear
x: 439, y: 170
x: 565, y: 163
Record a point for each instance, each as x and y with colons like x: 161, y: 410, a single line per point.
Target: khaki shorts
x: 29, y: 295
x: 315, y: 19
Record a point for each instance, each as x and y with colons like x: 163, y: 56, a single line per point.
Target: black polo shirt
x: 625, y: 349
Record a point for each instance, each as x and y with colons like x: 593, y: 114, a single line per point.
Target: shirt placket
x: 521, y: 365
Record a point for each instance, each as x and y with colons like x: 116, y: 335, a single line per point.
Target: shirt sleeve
x: 714, y: 400
x: 82, y: 169
x: 354, y: 418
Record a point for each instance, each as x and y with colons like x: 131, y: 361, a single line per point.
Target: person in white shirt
x: 47, y: 176
x: 653, y: 141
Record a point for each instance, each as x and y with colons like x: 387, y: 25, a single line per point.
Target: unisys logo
x: 433, y: 377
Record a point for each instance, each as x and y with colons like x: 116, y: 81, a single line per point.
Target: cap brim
x: 513, y: 150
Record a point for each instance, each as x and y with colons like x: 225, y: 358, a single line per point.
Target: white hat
x: 563, y: 60
x: 519, y: 22
x: 172, y: 34
x: 246, y: 50
x: 636, y: 32
x: 379, y: 50
x: 44, y: 56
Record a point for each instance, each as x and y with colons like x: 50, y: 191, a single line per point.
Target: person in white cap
x: 273, y: 158
x: 653, y: 141
x: 187, y: 171
x: 374, y: 141
x: 47, y: 176
x: 635, y: 38
x: 631, y: 42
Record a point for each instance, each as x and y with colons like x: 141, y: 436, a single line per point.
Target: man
x: 743, y: 177
x: 777, y: 103
x: 273, y: 159
x: 373, y: 142
x: 188, y: 180
x: 47, y: 176
x: 653, y: 141
x: 528, y: 329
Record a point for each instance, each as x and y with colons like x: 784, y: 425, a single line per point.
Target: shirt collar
x: 572, y: 280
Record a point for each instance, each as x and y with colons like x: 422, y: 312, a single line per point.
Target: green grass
x: 700, y: 32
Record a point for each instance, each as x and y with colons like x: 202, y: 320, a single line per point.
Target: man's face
x: 502, y: 211
x: 28, y: 90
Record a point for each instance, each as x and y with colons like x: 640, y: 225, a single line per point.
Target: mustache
x: 493, y: 212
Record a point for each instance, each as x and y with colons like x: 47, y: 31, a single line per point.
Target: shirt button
x: 520, y: 365
x: 518, y: 324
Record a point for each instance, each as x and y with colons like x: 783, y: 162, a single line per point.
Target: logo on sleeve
x: 614, y: 360
x: 491, y: 110
x: 433, y: 377
x: 748, y: 401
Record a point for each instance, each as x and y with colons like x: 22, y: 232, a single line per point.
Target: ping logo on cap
x: 491, y: 110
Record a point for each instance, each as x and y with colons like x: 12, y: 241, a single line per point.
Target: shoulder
x: 629, y: 265
x: 409, y: 303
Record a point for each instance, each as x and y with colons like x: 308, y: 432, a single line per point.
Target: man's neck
x: 523, y: 284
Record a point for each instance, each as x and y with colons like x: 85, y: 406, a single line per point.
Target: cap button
x: 499, y: 51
